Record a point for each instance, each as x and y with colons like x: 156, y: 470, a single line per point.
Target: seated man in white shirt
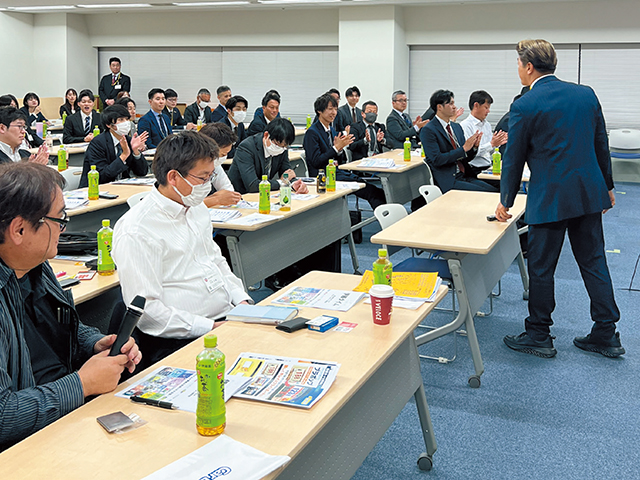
x: 222, y: 191
x: 164, y: 250
x: 480, y: 106
x: 13, y: 127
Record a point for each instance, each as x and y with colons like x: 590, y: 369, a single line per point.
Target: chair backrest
x: 137, y: 198
x: 429, y: 192
x: 300, y: 166
x: 389, y: 213
x: 624, y: 139
x: 72, y: 177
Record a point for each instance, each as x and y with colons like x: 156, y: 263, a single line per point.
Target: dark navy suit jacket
x: 567, y: 153
x: 220, y: 115
x: 440, y: 155
x: 148, y: 123
x: 318, y: 150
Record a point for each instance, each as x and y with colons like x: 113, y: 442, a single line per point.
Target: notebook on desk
x: 261, y: 314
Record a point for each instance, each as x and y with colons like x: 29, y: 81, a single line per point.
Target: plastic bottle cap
x: 286, y: 176
x: 93, y: 167
x: 210, y: 341
x: 264, y: 178
x: 382, y: 252
x: 106, y: 222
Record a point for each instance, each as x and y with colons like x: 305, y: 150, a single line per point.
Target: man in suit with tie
x: 368, y: 134
x: 154, y: 122
x: 399, y: 125
x: 199, y: 111
x: 113, y: 83
x: 237, y: 111
x: 322, y: 144
x: 558, y: 129
x: 171, y: 110
x: 220, y: 113
x: 446, y: 151
x: 270, y: 111
x: 349, y: 113
x: 78, y: 128
x: 114, y: 153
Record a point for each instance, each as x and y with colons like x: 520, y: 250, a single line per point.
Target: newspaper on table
x: 378, y: 163
x: 223, y: 457
x: 283, y: 380
x: 340, y: 300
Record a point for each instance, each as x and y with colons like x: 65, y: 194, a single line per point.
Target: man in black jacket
x: 78, y: 128
x: 368, y: 134
x: 113, y: 83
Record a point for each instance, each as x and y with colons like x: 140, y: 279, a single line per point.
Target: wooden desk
x: 400, y: 184
x: 478, y: 252
x: 72, y: 149
x: 89, y: 217
x: 258, y: 251
x: 380, y: 371
x: 491, y: 176
x: 89, y: 289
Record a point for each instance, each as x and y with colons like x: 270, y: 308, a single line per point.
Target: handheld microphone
x: 129, y: 322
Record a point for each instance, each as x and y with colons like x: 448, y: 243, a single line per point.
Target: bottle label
x: 105, y: 262
x: 211, y: 410
x: 264, y: 202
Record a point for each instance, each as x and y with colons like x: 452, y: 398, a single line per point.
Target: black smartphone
x: 491, y: 218
x: 108, y: 196
x: 69, y: 282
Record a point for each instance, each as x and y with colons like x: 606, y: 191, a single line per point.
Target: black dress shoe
x: 525, y: 344
x: 609, y: 348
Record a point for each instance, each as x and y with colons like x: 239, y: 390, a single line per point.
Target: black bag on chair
x: 78, y: 243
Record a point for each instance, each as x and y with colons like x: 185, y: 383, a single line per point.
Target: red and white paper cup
x: 381, y: 299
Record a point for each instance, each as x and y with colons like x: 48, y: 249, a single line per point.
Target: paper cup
x: 381, y: 299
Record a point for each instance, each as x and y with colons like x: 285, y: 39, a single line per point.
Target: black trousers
x: 587, y: 243
x: 370, y: 193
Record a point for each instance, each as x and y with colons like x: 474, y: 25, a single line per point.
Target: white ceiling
x: 167, y: 5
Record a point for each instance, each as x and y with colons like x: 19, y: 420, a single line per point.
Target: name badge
x: 213, y: 283
x: 117, y: 87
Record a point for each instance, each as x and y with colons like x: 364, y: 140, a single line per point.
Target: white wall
x: 16, y: 54
x: 82, y: 57
x: 50, y: 55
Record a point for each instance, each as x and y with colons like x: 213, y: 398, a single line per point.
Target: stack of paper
x: 220, y: 215
x: 326, y: 299
x: 149, y: 180
x: 411, y: 289
x: 75, y: 199
x: 378, y: 162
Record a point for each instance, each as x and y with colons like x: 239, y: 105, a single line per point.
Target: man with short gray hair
x: 399, y: 124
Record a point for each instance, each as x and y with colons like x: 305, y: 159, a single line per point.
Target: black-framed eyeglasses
x: 62, y: 222
x: 202, y: 179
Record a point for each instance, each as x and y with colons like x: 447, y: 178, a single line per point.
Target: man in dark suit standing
x: 349, y: 113
x: 399, y: 125
x: 113, y: 83
x: 558, y: 129
x: 114, y: 153
x: 368, y: 134
x: 265, y: 154
x: 155, y: 122
x: 78, y: 128
x: 199, y: 110
x: 446, y: 151
x: 220, y: 113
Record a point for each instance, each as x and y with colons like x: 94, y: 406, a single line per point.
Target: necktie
x: 163, y: 128
x: 372, y: 143
x: 267, y: 167
x: 353, y: 115
x: 113, y: 81
x: 407, y: 120
x: 454, y: 145
x: 330, y: 139
x: 87, y: 125
x: 118, y: 150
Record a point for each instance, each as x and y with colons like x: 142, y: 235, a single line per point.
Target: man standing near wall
x: 558, y: 129
x: 113, y: 83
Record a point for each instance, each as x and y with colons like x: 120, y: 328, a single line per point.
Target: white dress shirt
x: 165, y: 252
x: 471, y: 125
x: 220, y: 180
x: 13, y: 155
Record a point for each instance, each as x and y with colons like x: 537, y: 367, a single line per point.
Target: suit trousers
x: 473, y: 184
x: 587, y: 243
x: 370, y: 193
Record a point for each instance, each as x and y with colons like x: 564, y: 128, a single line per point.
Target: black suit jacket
x: 175, y: 117
x: 106, y: 91
x: 192, y: 113
x: 398, y: 131
x: 25, y: 154
x: 359, y: 148
x: 344, y: 112
x: 441, y: 156
x: 257, y: 125
x: 241, y: 133
x: 64, y: 108
x: 31, y: 118
x: 102, y: 153
x: 73, y: 131
x: 318, y: 150
x: 220, y: 115
x: 249, y: 165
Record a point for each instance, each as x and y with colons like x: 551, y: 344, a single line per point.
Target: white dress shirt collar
x: 12, y: 154
x: 543, y: 76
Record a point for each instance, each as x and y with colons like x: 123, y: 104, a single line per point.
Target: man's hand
x: 291, y: 173
x: 502, y: 213
x: 379, y: 135
x: 88, y: 138
x: 499, y: 139
x: 459, y: 112
x: 419, y: 122
x: 138, y: 142
x: 222, y: 198
x: 42, y: 157
x: 125, y: 149
x: 341, y: 141
x: 110, y: 101
x: 130, y: 349
x: 300, y: 187
x: 191, y: 126
x: 612, y: 197
x: 472, y: 141
x: 477, y: 144
x: 101, y: 373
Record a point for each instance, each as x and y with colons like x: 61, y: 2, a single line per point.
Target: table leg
x: 425, y: 461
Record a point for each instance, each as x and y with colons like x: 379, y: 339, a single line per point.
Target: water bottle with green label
x: 211, y: 410
x: 96, y: 131
x: 64, y: 117
x: 105, y: 240
x: 93, y: 177
x: 407, y: 150
x: 382, y: 269
x: 285, y: 194
x: 331, y: 176
x: 62, y: 158
x: 264, y: 199
x: 308, y: 121
x: 496, y: 163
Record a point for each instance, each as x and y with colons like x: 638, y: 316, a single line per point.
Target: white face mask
x: 197, y: 195
x: 123, y: 128
x: 220, y: 161
x: 203, y: 105
x: 239, y: 115
x: 274, y: 150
